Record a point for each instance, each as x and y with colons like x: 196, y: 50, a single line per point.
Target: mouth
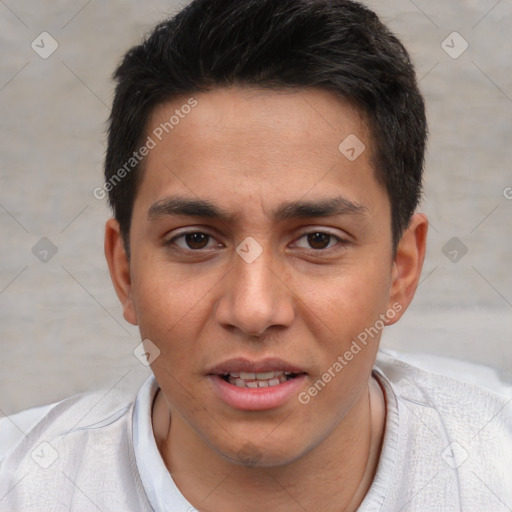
x: 258, y: 380
x: 256, y: 385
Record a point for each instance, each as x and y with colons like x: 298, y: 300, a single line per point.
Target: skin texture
x: 250, y: 151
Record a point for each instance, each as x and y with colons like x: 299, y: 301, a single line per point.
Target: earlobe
x: 407, y: 265
x: 119, y: 268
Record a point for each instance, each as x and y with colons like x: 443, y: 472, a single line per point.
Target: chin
x: 264, y: 454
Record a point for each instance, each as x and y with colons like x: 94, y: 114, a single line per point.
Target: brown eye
x: 319, y: 240
x: 196, y: 240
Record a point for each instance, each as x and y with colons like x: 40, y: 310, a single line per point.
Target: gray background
x: 61, y: 328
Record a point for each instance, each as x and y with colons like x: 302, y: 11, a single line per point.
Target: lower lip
x: 256, y: 399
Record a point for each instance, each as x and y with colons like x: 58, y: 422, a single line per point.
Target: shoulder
x: 52, y: 421
x: 462, y: 395
x: 443, y: 381
x: 40, y: 436
x: 14, y: 427
x: 84, y: 441
x: 445, y: 369
x: 449, y: 433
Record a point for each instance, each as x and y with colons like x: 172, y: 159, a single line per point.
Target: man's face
x: 286, y: 265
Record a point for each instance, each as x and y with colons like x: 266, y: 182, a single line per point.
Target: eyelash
x: 339, y: 241
x: 172, y: 241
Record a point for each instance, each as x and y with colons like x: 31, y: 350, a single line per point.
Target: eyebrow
x: 192, y: 207
x: 322, y: 208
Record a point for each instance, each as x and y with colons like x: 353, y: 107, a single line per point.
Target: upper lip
x: 241, y: 364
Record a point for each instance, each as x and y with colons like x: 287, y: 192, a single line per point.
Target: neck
x: 333, y: 477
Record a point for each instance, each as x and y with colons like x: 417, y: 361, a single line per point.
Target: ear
x: 119, y: 268
x: 407, y: 265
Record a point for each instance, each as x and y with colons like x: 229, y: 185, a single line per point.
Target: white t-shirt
x: 447, y: 447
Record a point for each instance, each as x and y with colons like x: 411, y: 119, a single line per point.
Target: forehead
x: 244, y: 115
x: 268, y: 145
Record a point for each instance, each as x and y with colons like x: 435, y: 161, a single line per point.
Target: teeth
x: 257, y: 380
x: 258, y: 376
x: 265, y: 376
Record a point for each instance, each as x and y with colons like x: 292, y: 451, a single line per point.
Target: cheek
x: 344, y: 319
x: 349, y: 299
x: 168, y: 304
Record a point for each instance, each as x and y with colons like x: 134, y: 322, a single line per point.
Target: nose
x: 255, y: 298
